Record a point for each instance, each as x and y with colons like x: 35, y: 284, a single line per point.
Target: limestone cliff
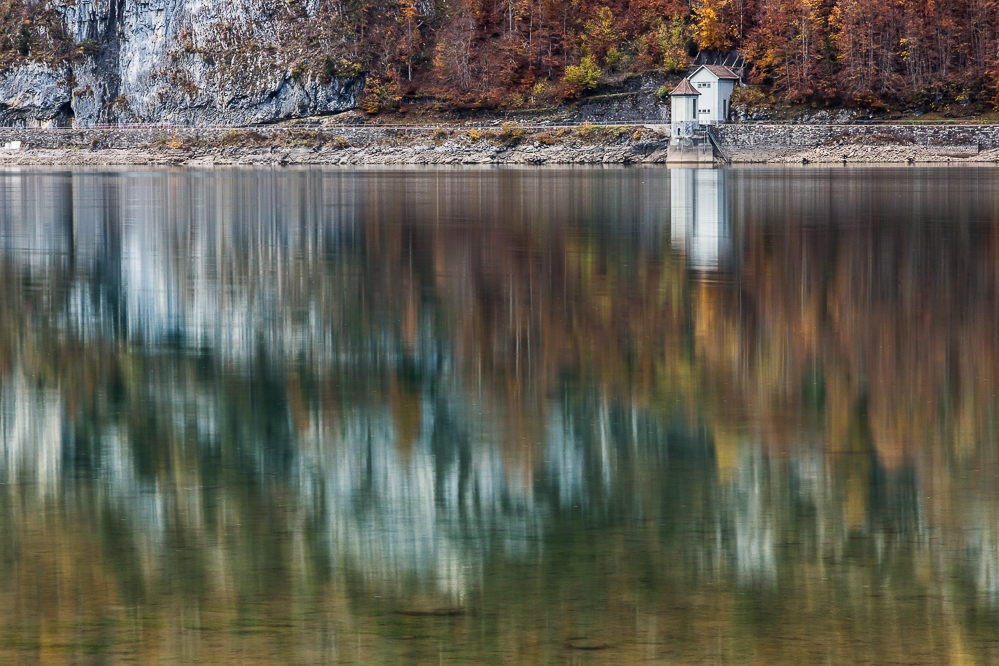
x: 186, y: 62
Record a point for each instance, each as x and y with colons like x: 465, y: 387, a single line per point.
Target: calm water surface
x: 500, y: 416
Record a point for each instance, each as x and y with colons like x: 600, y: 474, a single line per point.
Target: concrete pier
x: 690, y: 152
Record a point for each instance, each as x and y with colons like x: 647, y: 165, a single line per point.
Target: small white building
x: 683, y: 110
x: 703, y: 98
x: 715, y: 84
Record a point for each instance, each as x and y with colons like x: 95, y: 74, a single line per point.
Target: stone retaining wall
x: 640, y: 107
x: 739, y: 142
x: 141, y: 137
x: 774, y: 138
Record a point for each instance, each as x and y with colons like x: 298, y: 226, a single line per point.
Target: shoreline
x: 427, y: 155
x: 431, y: 156
x: 507, y: 145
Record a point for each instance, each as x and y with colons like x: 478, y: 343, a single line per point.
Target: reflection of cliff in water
x: 428, y: 371
x: 251, y: 326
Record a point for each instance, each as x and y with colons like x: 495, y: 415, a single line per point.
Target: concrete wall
x: 682, y: 107
x: 725, y: 95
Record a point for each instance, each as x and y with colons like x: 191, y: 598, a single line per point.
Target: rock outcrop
x: 34, y: 95
x: 184, y: 62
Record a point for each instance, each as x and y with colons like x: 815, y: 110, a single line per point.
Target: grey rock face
x: 640, y: 106
x: 34, y: 96
x: 185, y: 62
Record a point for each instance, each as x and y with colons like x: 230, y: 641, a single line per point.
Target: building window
x: 703, y: 85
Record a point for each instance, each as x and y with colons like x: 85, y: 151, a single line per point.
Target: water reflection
x: 515, y: 415
x: 700, y: 221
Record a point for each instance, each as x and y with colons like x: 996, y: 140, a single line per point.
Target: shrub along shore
x: 500, y: 144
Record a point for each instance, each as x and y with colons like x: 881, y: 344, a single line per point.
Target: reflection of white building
x: 699, y: 213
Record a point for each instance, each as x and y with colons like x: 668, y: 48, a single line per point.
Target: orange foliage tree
x: 487, y: 53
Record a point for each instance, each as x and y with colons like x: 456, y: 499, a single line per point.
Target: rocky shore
x: 861, y: 152
x: 885, y: 155
x: 336, y: 146
x: 867, y: 154
x: 428, y: 154
x: 506, y: 144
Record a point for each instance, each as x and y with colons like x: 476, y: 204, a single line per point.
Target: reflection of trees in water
x: 883, y: 300
x: 884, y: 303
x: 427, y: 407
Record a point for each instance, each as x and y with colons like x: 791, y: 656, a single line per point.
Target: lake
x: 524, y: 416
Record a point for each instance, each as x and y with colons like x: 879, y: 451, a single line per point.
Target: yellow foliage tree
x: 711, y: 30
x: 601, y: 34
x: 673, y: 38
x: 411, y: 42
x: 578, y: 78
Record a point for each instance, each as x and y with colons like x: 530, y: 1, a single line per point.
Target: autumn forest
x: 514, y: 53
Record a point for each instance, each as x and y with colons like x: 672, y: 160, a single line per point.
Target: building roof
x: 720, y: 71
x: 684, y: 89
